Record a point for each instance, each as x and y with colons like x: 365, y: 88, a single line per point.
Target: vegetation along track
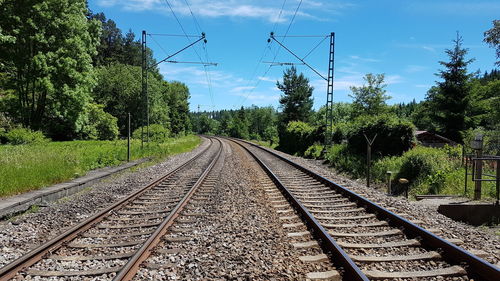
x: 110, y: 240
x: 365, y: 240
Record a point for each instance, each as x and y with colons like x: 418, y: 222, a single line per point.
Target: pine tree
x: 296, y: 100
x: 450, y: 101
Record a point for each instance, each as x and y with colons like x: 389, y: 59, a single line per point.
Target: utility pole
x: 145, y: 89
x: 329, y: 80
x: 146, y: 68
x: 329, y: 93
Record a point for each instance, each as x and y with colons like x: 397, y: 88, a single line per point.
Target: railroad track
x: 117, y: 239
x: 362, y: 239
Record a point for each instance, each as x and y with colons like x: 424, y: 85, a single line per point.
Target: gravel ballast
x: 26, y: 232
x: 474, y: 238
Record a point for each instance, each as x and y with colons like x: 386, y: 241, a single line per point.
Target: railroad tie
x: 448, y: 271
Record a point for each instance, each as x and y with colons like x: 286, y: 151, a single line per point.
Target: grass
x: 265, y: 143
x: 29, y: 167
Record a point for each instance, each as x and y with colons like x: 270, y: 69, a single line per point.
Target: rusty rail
x: 452, y: 253
x: 30, y: 258
x: 337, y: 254
x: 132, y: 266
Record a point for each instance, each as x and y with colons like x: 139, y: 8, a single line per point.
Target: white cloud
x: 415, y: 68
x: 267, y: 79
x: 358, y: 58
x: 258, y: 9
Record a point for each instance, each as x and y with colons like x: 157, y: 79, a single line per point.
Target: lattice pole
x: 329, y: 93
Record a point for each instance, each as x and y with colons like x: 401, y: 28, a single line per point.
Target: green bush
x: 297, y: 137
x: 421, y: 162
x: 339, y: 157
x: 314, y: 151
x: 394, y: 136
x: 157, y: 133
x: 22, y: 136
x: 98, y: 124
x: 381, y: 166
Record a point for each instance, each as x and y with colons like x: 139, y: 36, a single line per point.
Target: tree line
x: 72, y: 74
x: 460, y: 102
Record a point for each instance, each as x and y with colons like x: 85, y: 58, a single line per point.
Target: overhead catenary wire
x: 277, y: 51
x: 207, y: 75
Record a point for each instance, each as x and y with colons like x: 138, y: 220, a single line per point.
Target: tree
x: 492, y: 37
x: 178, y: 96
x: 239, y: 126
x: 450, y: 101
x: 50, y: 62
x: 296, y: 101
x: 119, y: 90
x: 370, y: 99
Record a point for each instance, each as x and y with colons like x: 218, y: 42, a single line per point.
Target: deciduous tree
x: 370, y: 98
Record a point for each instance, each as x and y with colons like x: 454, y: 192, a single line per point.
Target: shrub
x: 421, y: 161
x: 98, y: 125
x: 157, y: 133
x: 381, y: 166
x: 22, y: 136
x: 339, y: 157
x: 314, y: 151
x: 394, y: 136
x: 297, y: 137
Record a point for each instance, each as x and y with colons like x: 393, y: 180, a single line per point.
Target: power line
x: 278, y: 50
x: 264, y: 53
x: 197, y: 25
x: 293, y: 18
x: 197, y: 54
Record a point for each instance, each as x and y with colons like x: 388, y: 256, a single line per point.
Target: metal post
x: 498, y: 180
x: 368, y: 157
x: 479, y: 175
x: 128, y: 138
x: 368, y: 163
x: 389, y: 176
x: 466, y: 174
x: 329, y: 93
x: 145, y: 87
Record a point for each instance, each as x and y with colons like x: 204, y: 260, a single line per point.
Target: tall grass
x: 29, y: 167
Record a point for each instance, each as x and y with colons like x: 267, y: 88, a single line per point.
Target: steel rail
x: 337, y: 254
x: 10, y: 270
x: 475, y: 265
x: 129, y: 270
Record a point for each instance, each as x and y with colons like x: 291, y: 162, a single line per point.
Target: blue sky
x: 403, y: 39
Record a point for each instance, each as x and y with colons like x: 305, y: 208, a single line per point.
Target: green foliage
x: 296, y: 100
x: 449, y: 101
x: 382, y: 165
x: 239, y: 125
x: 314, y: 151
x: 492, y: 37
x: 394, y: 136
x: 22, y: 136
x: 50, y: 61
x: 119, y: 90
x: 157, y: 133
x: 339, y: 157
x: 297, y: 137
x: 370, y: 98
x: 177, y: 99
x: 421, y: 162
x: 98, y: 125
x: 54, y: 162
